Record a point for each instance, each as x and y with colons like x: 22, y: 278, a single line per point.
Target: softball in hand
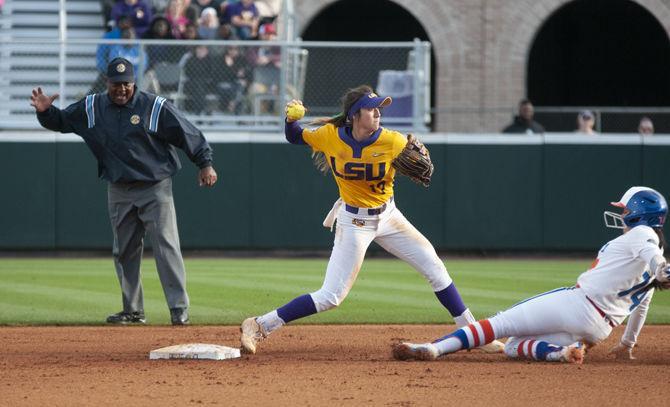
x: 294, y: 111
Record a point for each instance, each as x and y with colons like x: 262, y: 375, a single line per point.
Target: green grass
x: 49, y: 291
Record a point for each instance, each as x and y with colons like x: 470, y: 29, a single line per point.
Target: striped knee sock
x: 471, y: 336
x: 537, y: 350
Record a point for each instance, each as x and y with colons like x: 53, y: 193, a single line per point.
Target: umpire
x: 133, y: 135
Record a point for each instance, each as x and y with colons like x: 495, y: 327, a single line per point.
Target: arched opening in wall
x: 599, y: 53
x: 331, y: 71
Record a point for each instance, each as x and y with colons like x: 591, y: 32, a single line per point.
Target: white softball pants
x: 560, y: 317
x: 393, y: 232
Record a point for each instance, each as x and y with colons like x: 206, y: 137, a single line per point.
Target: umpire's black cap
x: 120, y: 70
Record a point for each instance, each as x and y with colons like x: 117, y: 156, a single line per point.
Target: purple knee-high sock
x: 299, y: 307
x: 451, y: 300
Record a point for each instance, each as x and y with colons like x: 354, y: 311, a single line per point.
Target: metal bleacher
x: 29, y: 54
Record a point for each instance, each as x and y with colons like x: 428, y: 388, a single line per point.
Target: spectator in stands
x: 102, y: 53
x: 267, y: 62
x: 234, y: 80
x: 224, y: 16
x: 176, y: 18
x: 191, y: 12
x: 523, y: 122
x: 107, y: 6
x: 160, y: 30
x: 646, y: 127
x: 585, y: 122
x: 200, y: 5
x: 226, y: 32
x: 208, y: 29
x: 199, y: 71
x: 130, y: 52
x: 244, y: 17
x: 268, y: 55
x: 191, y: 32
x: 139, y: 12
x: 159, y: 53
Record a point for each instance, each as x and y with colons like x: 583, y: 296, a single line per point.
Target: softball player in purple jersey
x: 359, y: 153
x: 558, y: 325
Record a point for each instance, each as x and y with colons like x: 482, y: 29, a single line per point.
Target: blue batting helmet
x: 645, y: 207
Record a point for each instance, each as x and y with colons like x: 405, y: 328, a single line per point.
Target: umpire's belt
x: 369, y: 211
x: 134, y: 184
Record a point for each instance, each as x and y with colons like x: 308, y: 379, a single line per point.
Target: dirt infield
x: 309, y: 365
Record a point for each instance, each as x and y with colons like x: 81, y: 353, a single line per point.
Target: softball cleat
x: 252, y: 333
x: 415, y: 351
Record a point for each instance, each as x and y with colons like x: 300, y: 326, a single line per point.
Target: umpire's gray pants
x: 136, y: 208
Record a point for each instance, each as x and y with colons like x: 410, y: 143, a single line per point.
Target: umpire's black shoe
x: 124, y: 318
x: 179, y: 316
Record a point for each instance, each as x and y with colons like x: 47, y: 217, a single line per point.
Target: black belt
x: 601, y: 312
x: 370, y: 211
x: 132, y: 184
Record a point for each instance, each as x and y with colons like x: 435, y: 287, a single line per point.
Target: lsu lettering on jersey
x: 618, y: 279
x: 362, y: 170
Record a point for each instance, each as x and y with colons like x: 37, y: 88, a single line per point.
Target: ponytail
x: 319, y: 158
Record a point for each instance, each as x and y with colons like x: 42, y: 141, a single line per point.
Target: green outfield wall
x: 489, y: 192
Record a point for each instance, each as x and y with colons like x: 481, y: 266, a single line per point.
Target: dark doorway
x: 600, y: 53
x: 355, y: 20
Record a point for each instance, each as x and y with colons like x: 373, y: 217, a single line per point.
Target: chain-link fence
x: 223, y: 85
x: 401, y: 71
x: 243, y: 85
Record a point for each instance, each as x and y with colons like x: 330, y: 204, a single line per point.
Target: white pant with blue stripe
x: 561, y: 317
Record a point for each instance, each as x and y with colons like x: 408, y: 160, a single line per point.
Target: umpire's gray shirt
x: 134, y: 142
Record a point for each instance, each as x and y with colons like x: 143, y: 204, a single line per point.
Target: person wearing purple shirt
x: 139, y: 12
x: 244, y: 18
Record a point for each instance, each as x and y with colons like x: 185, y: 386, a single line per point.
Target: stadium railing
x: 246, y: 95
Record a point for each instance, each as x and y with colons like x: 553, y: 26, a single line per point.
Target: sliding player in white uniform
x: 359, y: 153
x: 553, y: 326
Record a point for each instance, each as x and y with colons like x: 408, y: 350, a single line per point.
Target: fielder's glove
x: 414, y: 161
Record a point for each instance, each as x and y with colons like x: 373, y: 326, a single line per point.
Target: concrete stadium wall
x: 489, y: 192
x: 481, y: 49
